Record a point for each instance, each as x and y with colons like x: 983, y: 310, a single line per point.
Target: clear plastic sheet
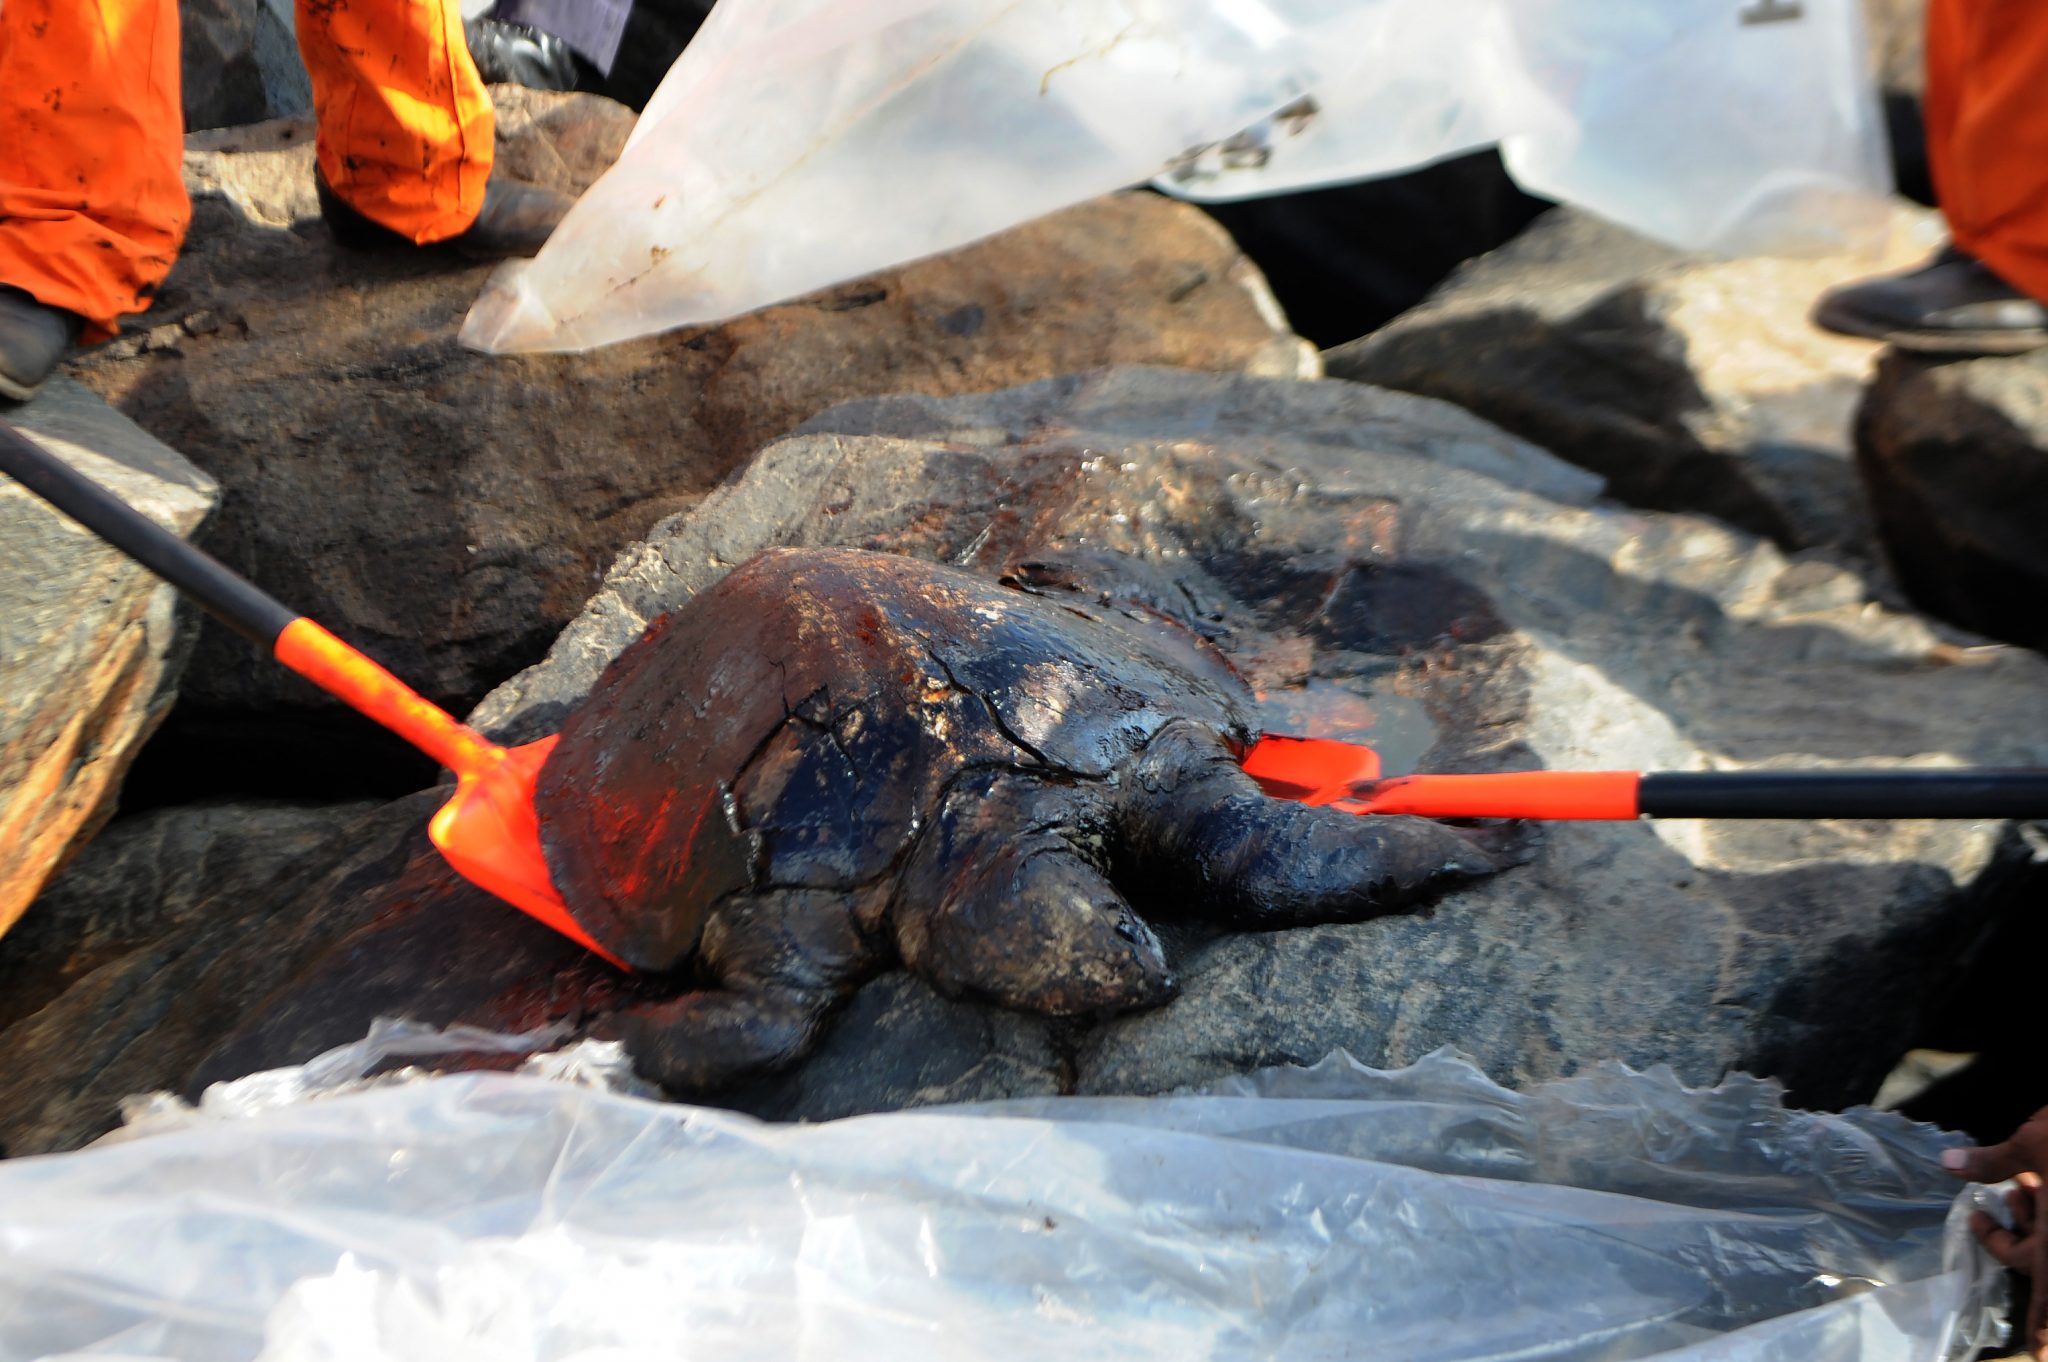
x: 1730, y: 127
x: 800, y: 143
x: 1311, y: 1214
x: 378, y: 1060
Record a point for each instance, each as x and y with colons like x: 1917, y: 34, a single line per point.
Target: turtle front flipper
x: 1005, y: 898
x: 1201, y: 834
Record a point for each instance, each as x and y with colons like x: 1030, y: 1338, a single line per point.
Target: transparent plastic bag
x: 377, y: 1060
x: 1337, y: 1212
x: 800, y: 143
x: 1734, y: 126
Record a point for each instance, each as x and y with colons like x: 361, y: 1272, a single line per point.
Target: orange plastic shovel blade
x: 1311, y: 770
x: 490, y: 835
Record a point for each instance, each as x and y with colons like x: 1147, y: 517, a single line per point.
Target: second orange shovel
x: 1347, y: 776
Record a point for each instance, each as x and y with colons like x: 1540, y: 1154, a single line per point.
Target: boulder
x: 149, y: 876
x: 147, y: 978
x: 239, y: 63
x: 1951, y: 457
x: 1690, y: 384
x: 221, y: 82
x: 91, y: 645
x: 1473, y: 591
x: 449, y: 511
x: 1386, y: 567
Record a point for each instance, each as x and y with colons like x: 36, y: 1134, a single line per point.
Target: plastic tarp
x: 800, y: 143
x: 1325, y: 1213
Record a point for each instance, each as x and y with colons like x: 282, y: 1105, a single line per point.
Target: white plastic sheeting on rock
x: 800, y: 143
x: 1336, y: 1212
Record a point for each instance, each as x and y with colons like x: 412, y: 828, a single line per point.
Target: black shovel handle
x: 1961, y: 793
x: 231, y: 599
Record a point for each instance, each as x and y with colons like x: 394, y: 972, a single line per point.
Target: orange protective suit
x: 92, y: 207
x: 1987, y: 132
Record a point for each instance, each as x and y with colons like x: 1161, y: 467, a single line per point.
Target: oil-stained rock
x: 1418, y: 579
x: 1690, y: 384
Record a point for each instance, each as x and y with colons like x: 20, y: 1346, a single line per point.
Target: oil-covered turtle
x: 833, y: 760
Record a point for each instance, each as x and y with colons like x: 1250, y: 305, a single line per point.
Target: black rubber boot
x: 33, y: 338
x: 515, y: 220
x: 1953, y: 305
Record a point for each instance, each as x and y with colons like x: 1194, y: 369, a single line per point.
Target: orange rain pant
x: 92, y: 208
x: 1987, y: 132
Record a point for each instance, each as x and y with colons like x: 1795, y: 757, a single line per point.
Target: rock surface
x: 238, y: 64
x: 221, y: 83
x: 90, y: 644
x: 1952, y: 457
x: 1423, y: 580
x: 151, y: 876
x: 1689, y: 384
x: 279, y: 890
x: 450, y: 511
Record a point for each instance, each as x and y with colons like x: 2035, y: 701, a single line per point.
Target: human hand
x: 2024, y: 1246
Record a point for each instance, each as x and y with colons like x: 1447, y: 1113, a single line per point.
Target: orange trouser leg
x: 1987, y: 131
x: 92, y: 207
x: 405, y: 120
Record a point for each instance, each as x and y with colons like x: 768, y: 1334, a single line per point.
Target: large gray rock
x: 239, y: 64
x: 450, y: 511
x: 1952, y: 457
x: 90, y: 644
x: 1626, y: 640
x: 1689, y: 384
x: 1384, y: 566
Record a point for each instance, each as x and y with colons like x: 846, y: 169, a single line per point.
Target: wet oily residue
x: 1397, y: 727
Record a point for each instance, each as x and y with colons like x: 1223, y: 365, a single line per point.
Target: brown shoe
x: 516, y: 219
x: 1952, y: 305
x: 33, y: 338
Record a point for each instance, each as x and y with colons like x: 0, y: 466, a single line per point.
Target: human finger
x: 2001, y: 1243
x: 1985, y: 1163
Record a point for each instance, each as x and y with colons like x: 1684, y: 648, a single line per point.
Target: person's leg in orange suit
x: 1986, y: 114
x: 405, y: 131
x: 1987, y: 132
x: 405, y: 121
x: 92, y: 207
